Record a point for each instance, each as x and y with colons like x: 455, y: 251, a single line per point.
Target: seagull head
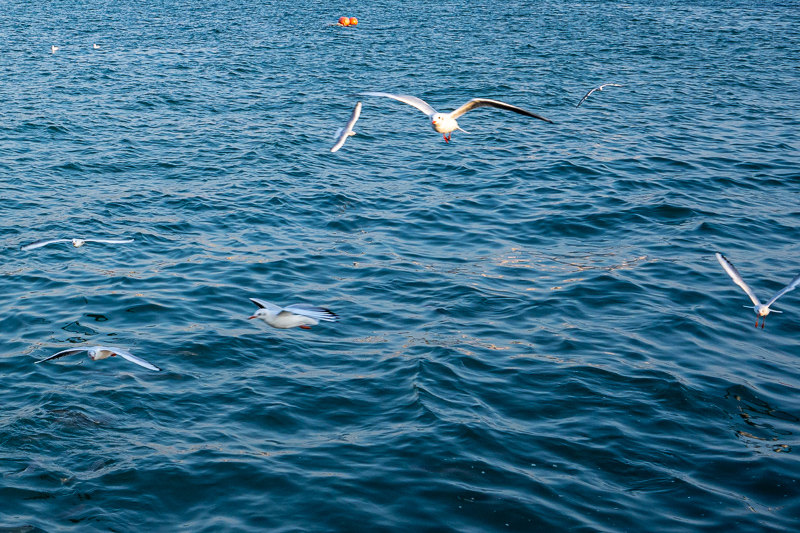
x: 77, y: 243
x: 263, y: 314
x: 438, y: 118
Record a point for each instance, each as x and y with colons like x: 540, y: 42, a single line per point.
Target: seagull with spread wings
x: 292, y: 316
x: 77, y: 243
x: 445, y: 123
x: 103, y: 352
x: 761, y: 310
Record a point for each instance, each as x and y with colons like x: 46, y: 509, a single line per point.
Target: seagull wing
x: 71, y: 351
x: 110, y: 241
x: 319, y: 313
x: 484, y: 102
x: 266, y: 305
x: 138, y: 360
x: 737, y: 278
x: 422, y: 105
x: 587, y: 96
x: 791, y: 286
x: 45, y: 242
x: 344, y: 133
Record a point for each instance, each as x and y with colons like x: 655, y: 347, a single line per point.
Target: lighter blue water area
x: 535, y: 334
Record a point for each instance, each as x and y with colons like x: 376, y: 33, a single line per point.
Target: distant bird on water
x: 597, y: 89
x: 761, y: 310
x: 343, y: 133
x: 53, y: 49
x: 95, y: 46
x: 296, y: 315
x: 445, y: 123
x: 77, y: 243
x: 103, y: 352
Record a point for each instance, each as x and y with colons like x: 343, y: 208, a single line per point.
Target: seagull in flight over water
x: 77, y: 243
x: 445, y: 123
x: 597, y: 89
x: 296, y: 315
x: 343, y: 133
x: 103, y: 352
x: 761, y: 310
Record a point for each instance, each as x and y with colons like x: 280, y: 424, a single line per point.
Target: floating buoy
x: 353, y: 21
x: 344, y: 21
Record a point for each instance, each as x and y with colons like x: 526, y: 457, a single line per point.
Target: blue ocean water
x: 535, y: 333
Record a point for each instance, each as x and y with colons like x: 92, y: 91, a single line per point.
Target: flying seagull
x: 296, y: 315
x: 761, y: 310
x: 343, y: 133
x: 77, y: 243
x: 445, y: 123
x: 597, y: 89
x: 103, y: 352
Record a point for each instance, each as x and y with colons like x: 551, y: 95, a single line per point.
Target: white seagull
x: 77, y: 243
x: 597, y: 89
x: 296, y: 315
x: 445, y: 123
x: 53, y: 49
x: 761, y: 310
x: 343, y: 133
x: 103, y: 352
x: 95, y: 46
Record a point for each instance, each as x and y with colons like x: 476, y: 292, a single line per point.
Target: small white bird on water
x: 53, y: 49
x: 343, y: 133
x: 761, y: 310
x: 103, y: 352
x: 296, y: 315
x: 95, y: 46
x: 597, y: 89
x: 77, y: 243
x: 445, y: 123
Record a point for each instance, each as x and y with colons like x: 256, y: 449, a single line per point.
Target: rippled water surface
x: 535, y: 334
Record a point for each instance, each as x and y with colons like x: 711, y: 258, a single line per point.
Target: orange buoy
x: 344, y: 21
x: 353, y: 21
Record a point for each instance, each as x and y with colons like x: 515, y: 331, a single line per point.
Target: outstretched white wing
x: 63, y: 353
x: 791, y: 286
x: 422, y: 105
x: 266, y: 305
x: 587, y: 96
x: 138, y: 360
x: 44, y: 242
x: 345, y: 132
x: 475, y: 103
x: 737, y: 278
x: 318, y: 313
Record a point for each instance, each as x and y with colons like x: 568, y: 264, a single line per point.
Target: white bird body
x: 95, y: 46
x: 77, y: 243
x: 597, y: 89
x: 103, y: 352
x: 292, y: 316
x: 445, y: 123
x: 53, y: 49
x: 343, y: 133
x: 761, y: 310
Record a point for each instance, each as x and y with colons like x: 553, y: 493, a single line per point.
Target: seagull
x: 597, y: 89
x: 95, y: 46
x: 445, y: 123
x: 103, y: 352
x: 343, y: 133
x: 53, y: 49
x: 296, y: 315
x: 761, y: 310
x: 77, y: 243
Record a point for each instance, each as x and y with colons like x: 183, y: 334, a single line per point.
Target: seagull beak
x: 252, y: 317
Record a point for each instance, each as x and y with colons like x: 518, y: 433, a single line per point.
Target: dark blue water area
x: 535, y: 333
